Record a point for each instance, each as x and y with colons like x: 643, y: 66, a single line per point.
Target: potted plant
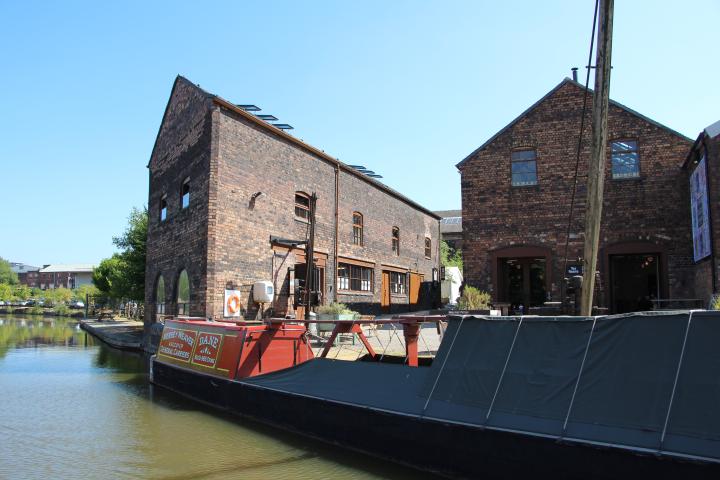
x: 474, y: 300
x: 334, y: 311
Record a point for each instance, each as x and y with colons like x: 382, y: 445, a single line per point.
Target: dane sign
x: 699, y: 212
x: 232, y: 303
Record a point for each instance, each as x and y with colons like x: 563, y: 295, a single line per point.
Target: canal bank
x: 121, y: 334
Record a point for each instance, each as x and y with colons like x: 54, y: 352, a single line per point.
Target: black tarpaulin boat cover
x: 648, y: 381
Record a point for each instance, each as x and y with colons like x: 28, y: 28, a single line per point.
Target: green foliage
x: 57, y: 296
x: 61, y: 310
x: 6, y: 273
x: 334, y: 309
x: 36, y: 310
x: 6, y: 292
x: 22, y: 292
x: 450, y: 257
x: 716, y: 303
x: 123, y: 274
x: 83, y: 291
x: 473, y: 299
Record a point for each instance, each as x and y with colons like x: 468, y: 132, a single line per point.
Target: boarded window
x: 357, y: 228
x: 354, y: 278
x: 302, y: 205
x: 186, y: 193
x: 396, y: 240
x: 428, y: 247
x: 524, y: 168
x: 625, y: 159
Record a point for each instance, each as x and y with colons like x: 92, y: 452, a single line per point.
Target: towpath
x: 124, y: 334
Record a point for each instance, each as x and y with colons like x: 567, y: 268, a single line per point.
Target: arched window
x: 160, y: 296
x: 302, y: 205
x: 428, y: 247
x: 357, y: 228
x: 183, y: 294
x: 396, y: 240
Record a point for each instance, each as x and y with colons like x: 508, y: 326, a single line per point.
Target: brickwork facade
x: 243, y: 177
x: 707, y: 146
x: 647, y: 214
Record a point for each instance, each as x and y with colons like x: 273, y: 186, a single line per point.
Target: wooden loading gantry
x: 411, y: 325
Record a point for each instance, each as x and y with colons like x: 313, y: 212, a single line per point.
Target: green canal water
x: 71, y: 407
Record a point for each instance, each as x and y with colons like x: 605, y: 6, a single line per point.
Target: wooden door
x: 415, y: 281
x: 385, y: 291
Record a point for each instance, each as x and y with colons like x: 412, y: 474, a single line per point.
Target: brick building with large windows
x: 229, y: 202
x: 516, y: 194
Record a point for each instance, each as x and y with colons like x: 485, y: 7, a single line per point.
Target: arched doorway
x: 522, y: 276
x: 183, y: 294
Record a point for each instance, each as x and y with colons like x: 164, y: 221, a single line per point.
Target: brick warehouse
x: 223, y: 181
x: 516, y: 191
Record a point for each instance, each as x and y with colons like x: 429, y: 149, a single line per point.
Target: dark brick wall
x: 707, y: 268
x: 182, y: 150
x: 253, y: 160
x: 223, y: 239
x: 651, y: 211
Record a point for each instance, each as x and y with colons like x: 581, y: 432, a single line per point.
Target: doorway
x: 634, y: 281
x: 415, y: 282
x: 523, y: 282
x: 385, y: 292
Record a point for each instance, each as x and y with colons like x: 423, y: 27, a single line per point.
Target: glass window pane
x: 160, y: 291
x: 523, y: 155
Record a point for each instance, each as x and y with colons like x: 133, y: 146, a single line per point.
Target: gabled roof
x: 69, y: 267
x: 545, y: 97
x: 295, y: 141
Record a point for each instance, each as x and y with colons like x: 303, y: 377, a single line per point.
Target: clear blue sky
x: 406, y: 88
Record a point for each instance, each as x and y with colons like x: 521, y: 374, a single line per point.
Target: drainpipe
x: 335, y: 241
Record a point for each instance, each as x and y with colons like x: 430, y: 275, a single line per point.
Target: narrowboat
x: 631, y: 395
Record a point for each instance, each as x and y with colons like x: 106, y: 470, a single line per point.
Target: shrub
x: 61, y: 309
x: 334, y: 309
x: 36, y: 310
x: 716, y: 303
x: 473, y: 299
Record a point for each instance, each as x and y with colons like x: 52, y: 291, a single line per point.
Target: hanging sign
x: 699, y: 212
x: 232, y: 303
x: 177, y: 343
x: 574, y: 270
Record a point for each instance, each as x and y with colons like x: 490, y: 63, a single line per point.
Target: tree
x: 133, y: 243
x: 6, y: 292
x: 450, y: 257
x: 83, y: 291
x: 123, y: 274
x: 6, y: 273
x: 21, y: 292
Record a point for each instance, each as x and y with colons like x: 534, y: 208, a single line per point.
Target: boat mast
x: 598, y: 146
x: 309, y: 257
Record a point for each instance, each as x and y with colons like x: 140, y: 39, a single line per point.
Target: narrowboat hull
x: 444, y: 447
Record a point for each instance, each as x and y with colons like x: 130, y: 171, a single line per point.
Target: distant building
x: 451, y: 227
x: 70, y: 275
x: 27, y: 274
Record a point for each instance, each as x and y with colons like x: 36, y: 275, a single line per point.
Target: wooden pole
x: 598, y: 147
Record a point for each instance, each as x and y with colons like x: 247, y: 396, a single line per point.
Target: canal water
x: 71, y: 407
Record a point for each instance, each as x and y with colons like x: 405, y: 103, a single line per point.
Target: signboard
x: 699, y: 212
x: 177, y: 343
x: 232, y: 303
x: 574, y: 270
x: 208, y: 347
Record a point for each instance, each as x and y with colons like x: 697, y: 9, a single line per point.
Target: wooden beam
x: 598, y: 147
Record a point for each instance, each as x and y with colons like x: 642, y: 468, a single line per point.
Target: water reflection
x: 73, y: 407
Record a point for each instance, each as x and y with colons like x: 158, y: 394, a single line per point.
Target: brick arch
x: 520, y: 251
x: 630, y: 247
